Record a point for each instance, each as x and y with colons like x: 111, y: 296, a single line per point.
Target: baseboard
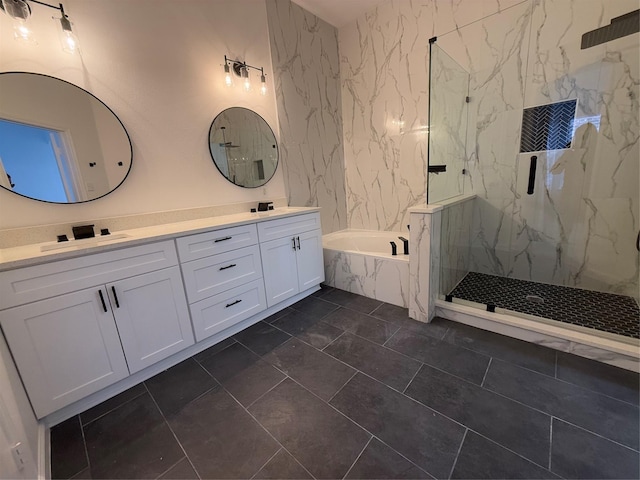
x: 43, y: 456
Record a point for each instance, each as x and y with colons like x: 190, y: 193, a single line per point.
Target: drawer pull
x: 115, y: 296
x: 228, y: 266
x: 294, y: 242
x: 104, y: 305
x: 232, y: 303
x: 221, y: 239
x: 298, y: 239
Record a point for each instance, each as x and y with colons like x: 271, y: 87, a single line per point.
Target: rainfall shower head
x: 619, y: 27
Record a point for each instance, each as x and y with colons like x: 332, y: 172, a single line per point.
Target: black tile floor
x: 607, y: 312
x: 342, y: 386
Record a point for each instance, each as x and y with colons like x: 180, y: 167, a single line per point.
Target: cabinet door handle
x: 232, y: 303
x: 115, y: 296
x: 294, y: 242
x: 228, y: 266
x: 104, y: 305
x: 298, y: 238
x: 221, y: 239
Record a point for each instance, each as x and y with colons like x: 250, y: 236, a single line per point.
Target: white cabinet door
x: 65, y: 348
x: 152, y: 316
x: 279, y: 269
x: 310, y: 262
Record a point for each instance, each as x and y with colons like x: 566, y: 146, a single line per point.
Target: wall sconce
x: 241, y: 69
x: 20, y: 11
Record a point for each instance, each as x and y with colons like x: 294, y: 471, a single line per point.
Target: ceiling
x: 338, y: 12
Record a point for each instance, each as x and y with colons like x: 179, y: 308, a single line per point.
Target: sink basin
x: 84, y: 243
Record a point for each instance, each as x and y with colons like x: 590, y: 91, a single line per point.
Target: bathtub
x: 360, y: 261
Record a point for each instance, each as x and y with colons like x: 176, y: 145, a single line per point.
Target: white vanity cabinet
x: 222, y: 272
x: 76, y: 326
x: 291, y: 251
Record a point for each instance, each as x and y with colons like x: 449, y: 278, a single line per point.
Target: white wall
x: 158, y: 65
x: 17, y: 422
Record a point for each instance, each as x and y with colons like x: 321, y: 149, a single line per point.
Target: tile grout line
x: 328, y: 344
x: 507, y: 448
x: 171, y: 429
x: 596, y: 434
x: 392, y: 335
x: 265, y: 393
x: 367, y: 430
x: 168, y: 469
x: 455, y: 460
x: 550, y: 441
x: 266, y: 463
x: 566, y: 382
x: 358, y: 457
x: 111, y: 410
x: 413, y: 378
x: 84, y: 444
x: 282, y: 447
x: 431, y: 409
x: 486, y: 372
x: 344, y: 385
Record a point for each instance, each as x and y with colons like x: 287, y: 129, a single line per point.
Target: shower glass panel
x: 554, y: 229
x: 449, y: 90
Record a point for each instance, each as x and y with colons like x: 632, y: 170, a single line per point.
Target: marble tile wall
x: 304, y: 53
x: 579, y: 226
x: 384, y: 72
x: 455, y: 244
x: 424, y: 268
x: 589, y: 195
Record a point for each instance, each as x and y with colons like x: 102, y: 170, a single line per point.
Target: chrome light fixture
x: 241, y: 69
x: 20, y: 11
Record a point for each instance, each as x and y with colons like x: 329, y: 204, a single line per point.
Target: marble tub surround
x: 31, y: 254
x: 306, y: 68
x: 379, y: 276
x: 16, y: 237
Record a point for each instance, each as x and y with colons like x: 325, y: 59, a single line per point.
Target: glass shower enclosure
x: 546, y: 135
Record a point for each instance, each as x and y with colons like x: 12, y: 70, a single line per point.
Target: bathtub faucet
x: 394, y: 248
x: 406, y: 245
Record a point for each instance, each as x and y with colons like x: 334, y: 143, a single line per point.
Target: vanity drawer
x: 214, y: 314
x: 206, y: 244
x: 283, y: 227
x: 29, y: 284
x: 212, y: 275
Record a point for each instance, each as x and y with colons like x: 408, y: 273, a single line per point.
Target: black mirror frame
x: 267, y: 180
x: 115, y: 116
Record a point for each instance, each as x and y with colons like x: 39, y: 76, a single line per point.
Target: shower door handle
x: 532, y: 174
x: 638, y: 242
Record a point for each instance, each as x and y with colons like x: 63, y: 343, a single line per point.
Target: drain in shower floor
x: 618, y: 314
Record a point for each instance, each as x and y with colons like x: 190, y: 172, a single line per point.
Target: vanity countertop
x: 27, y: 255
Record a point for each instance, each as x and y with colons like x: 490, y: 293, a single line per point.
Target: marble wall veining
x: 578, y: 228
x: 384, y: 71
x: 304, y: 53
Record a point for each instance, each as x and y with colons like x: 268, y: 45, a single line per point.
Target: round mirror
x: 58, y: 142
x: 243, y: 147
